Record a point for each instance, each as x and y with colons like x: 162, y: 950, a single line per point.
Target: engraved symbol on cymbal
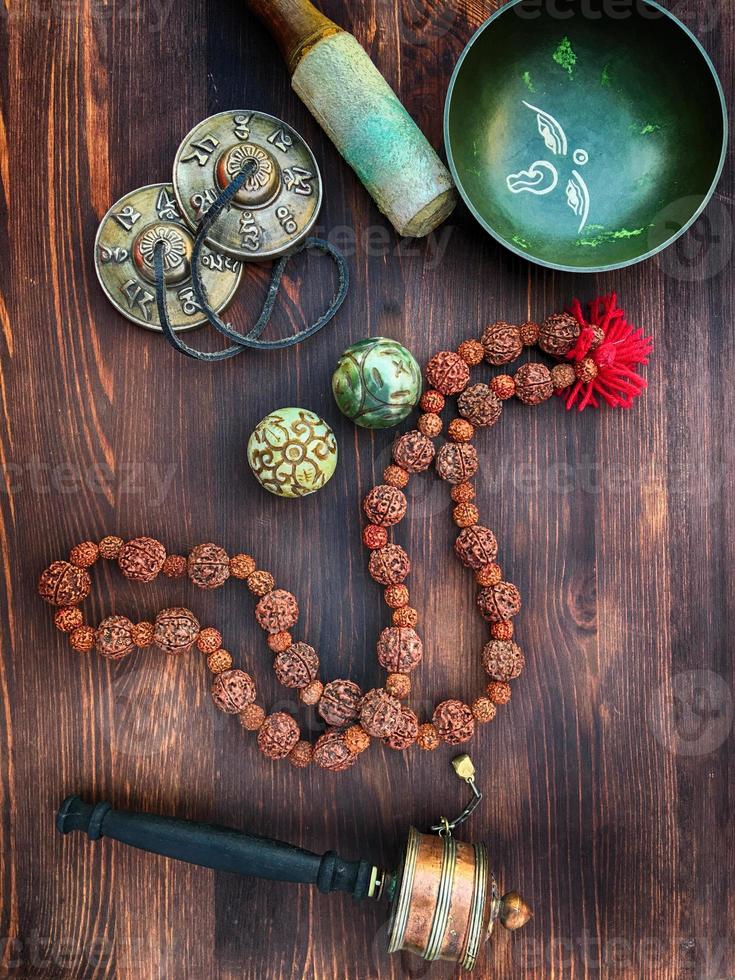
x: 177, y: 249
x: 260, y: 186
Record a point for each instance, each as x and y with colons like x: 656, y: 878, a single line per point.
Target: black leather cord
x: 249, y: 340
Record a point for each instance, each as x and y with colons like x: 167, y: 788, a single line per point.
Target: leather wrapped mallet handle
x: 217, y: 847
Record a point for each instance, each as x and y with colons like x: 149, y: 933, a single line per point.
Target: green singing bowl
x: 585, y: 135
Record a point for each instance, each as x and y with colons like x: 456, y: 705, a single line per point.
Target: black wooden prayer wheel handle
x: 216, y: 847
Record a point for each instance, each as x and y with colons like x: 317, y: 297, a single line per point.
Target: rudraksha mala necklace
x: 597, y: 360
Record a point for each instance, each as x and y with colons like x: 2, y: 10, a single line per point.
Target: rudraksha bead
x: 489, y: 574
x: 241, y: 566
x: 84, y: 555
x: 141, y: 559
x: 301, y: 755
x: 465, y: 515
x: 502, y: 660
x: 252, y: 717
x: 471, y: 352
x: 501, y: 601
x: 585, y: 370
x: 432, y: 401
x: 399, y: 685
x: 529, y: 333
x: 261, y: 583
x: 331, y: 752
x: 483, y: 710
x: 406, y: 617
x: 399, y: 649
x: 501, y: 342
x: 176, y: 630
x: 219, y: 661
x: 456, y: 462
x: 233, y: 690
x: 143, y: 634
x: 278, y: 735
x: 280, y: 641
x: 503, y: 386
x: 462, y: 493
x: 447, y: 372
x: 430, y: 424
x: 297, y: 666
x: 395, y: 476
x: 396, y: 596
x: 312, y: 692
x: 380, y: 713
x: 67, y: 618
x: 385, y: 505
x: 476, y: 546
x: 81, y: 639
x: 558, y: 334
x: 562, y: 376
x: 174, y: 566
x: 110, y: 547
x: 533, y: 383
x: 454, y: 722
x: 502, y: 630
x: 428, y: 737
x: 208, y: 566
x: 340, y: 703
x: 276, y: 611
x: 64, y: 584
x: 356, y: 739
x: 113, y: 637
x: 405, y: 732
x: 479, y: 405
x: 460, y: 430
x: 413, y: 451
x: 374, y: 536
x: 209, y: 640
x: 498, y: 692
x: 389, y: 565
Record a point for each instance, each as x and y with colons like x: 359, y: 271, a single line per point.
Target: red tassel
x: 622, y: 348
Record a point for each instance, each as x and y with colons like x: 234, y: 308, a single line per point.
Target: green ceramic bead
x: 376, y: 383
x: 292, y: 452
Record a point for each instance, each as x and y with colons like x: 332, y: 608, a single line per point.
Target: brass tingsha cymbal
x: 123, y: 258
x: 279, y: 201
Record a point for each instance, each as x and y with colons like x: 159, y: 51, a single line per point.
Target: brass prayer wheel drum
x: 447, y: 901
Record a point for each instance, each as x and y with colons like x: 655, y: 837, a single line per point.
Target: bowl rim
x: 557, y: 265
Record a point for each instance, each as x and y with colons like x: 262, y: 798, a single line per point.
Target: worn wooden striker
x: 333, y: 75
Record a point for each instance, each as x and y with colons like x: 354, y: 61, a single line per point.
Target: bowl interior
x: 585, y: 139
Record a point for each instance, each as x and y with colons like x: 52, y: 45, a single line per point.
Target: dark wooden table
x: 609, y: 798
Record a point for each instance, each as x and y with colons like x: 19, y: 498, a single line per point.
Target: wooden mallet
x: 333, y: 75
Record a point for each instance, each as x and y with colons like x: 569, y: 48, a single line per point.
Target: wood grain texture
x: 608, y: 779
